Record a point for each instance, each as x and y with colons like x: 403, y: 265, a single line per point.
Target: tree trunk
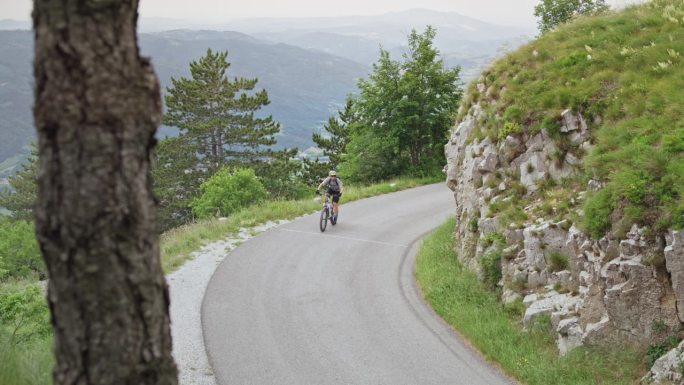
x: 97, y: 109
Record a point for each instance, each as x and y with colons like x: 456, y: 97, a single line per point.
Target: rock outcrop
x: 617, y: 289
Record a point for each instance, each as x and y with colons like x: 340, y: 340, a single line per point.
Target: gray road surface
x: 294, y: 306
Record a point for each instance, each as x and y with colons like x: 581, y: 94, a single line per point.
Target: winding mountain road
x: 294, y: 306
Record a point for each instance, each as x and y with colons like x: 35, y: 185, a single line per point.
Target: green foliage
x: 27, y: 363
x: 597, y: 210
x: 558, y: 261
x: 403, y: 114
x: 21, y: 197
x: 371, y: 157
x: 283, y: 177
x: 216, y: 115
x: 658, y: 350
x: 552, y: 13
x: 218, y: 127
x: 226, y: 192
x: 513, y: 114
x: 473, y: 224
x: 337, y: 133
x: 24, y: 314
x: 176, y: 181
x: 26, y: 356
x: 491, y: 267
x: 512, y: 213
x: 509, y: 128
x: 19, y: 252
x: 494, y: 238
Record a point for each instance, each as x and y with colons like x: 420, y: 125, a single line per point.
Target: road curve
x: 294, y: 306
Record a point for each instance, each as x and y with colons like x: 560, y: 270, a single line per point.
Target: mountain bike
x: 327, y: 213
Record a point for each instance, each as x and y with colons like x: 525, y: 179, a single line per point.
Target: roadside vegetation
x: 177, y: 244
x: 473, y: 309
x: 25, y: 334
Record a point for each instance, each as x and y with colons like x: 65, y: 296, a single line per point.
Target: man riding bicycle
x: 335, y: 188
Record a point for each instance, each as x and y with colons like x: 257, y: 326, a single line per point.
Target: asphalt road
x: 294, y: 306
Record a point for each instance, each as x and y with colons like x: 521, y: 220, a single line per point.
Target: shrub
x: 286, y: 178
x: 513, y: 114
x: 558, y: 261
x: 491, y: 267
x: 512, y: 214
x: 19, y: 253
x: 509, y: 128
x: 551, y: 13
x: 473, y: 224
x: 494, y: 238
x: 3, y: 271
x: 226, y: 192
x: 24, y: 313
x: 597, y: 210
x: 658, y: 350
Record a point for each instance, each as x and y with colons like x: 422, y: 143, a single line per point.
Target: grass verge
x: 28, y: 363
x: 26, y: 356
x: 531, y: 357
x: 179, y: 243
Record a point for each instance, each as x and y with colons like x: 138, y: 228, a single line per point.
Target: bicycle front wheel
x: 324, y: 219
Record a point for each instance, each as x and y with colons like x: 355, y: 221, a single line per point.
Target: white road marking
x: 347, y: 238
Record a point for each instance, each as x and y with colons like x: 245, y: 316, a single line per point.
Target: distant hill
x: 462, y: 40
x: 305, y: 86
x: 9, y: 24
x: 390, y: 28
x: 16, y: 97
x: 307, y: 65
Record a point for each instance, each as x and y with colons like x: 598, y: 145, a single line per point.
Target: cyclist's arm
x: 341, y: 185
x: 325, y: 181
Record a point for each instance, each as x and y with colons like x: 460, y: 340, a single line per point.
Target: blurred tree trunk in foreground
x: 97, y: 109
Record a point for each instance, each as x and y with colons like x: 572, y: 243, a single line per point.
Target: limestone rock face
x: 593, y: 291
x: 674, y: 260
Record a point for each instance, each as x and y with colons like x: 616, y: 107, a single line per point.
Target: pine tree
x: 176, y: 181
x: 217, y: 115
x: 334, y: 142
x: 21, y: 198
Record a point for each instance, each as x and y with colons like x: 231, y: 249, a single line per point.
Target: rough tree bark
x: 97, y: 109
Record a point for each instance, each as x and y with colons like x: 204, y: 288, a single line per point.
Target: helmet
x: 332, y: 173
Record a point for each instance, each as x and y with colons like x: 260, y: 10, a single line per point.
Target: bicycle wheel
x: 324, y: 219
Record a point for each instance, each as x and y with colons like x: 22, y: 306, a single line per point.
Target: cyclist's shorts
x: 335, y: 196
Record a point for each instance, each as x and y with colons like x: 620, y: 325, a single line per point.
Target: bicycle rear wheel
x: 324, y: 219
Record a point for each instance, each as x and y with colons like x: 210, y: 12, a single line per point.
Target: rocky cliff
x: 594, y: 290
x: 555, y: 168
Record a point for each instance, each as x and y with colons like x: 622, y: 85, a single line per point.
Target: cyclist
x: 335, y: 190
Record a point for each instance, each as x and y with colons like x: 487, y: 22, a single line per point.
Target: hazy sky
x: 497, y: 11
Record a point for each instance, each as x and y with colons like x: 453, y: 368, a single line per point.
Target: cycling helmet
x: 332, y: 173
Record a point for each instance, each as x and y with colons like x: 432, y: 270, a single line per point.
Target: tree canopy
x: 217, y: 115
x: 20, y: 199
x: 403, y: 114
x: 335, y: 138
x: 552, y: 13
